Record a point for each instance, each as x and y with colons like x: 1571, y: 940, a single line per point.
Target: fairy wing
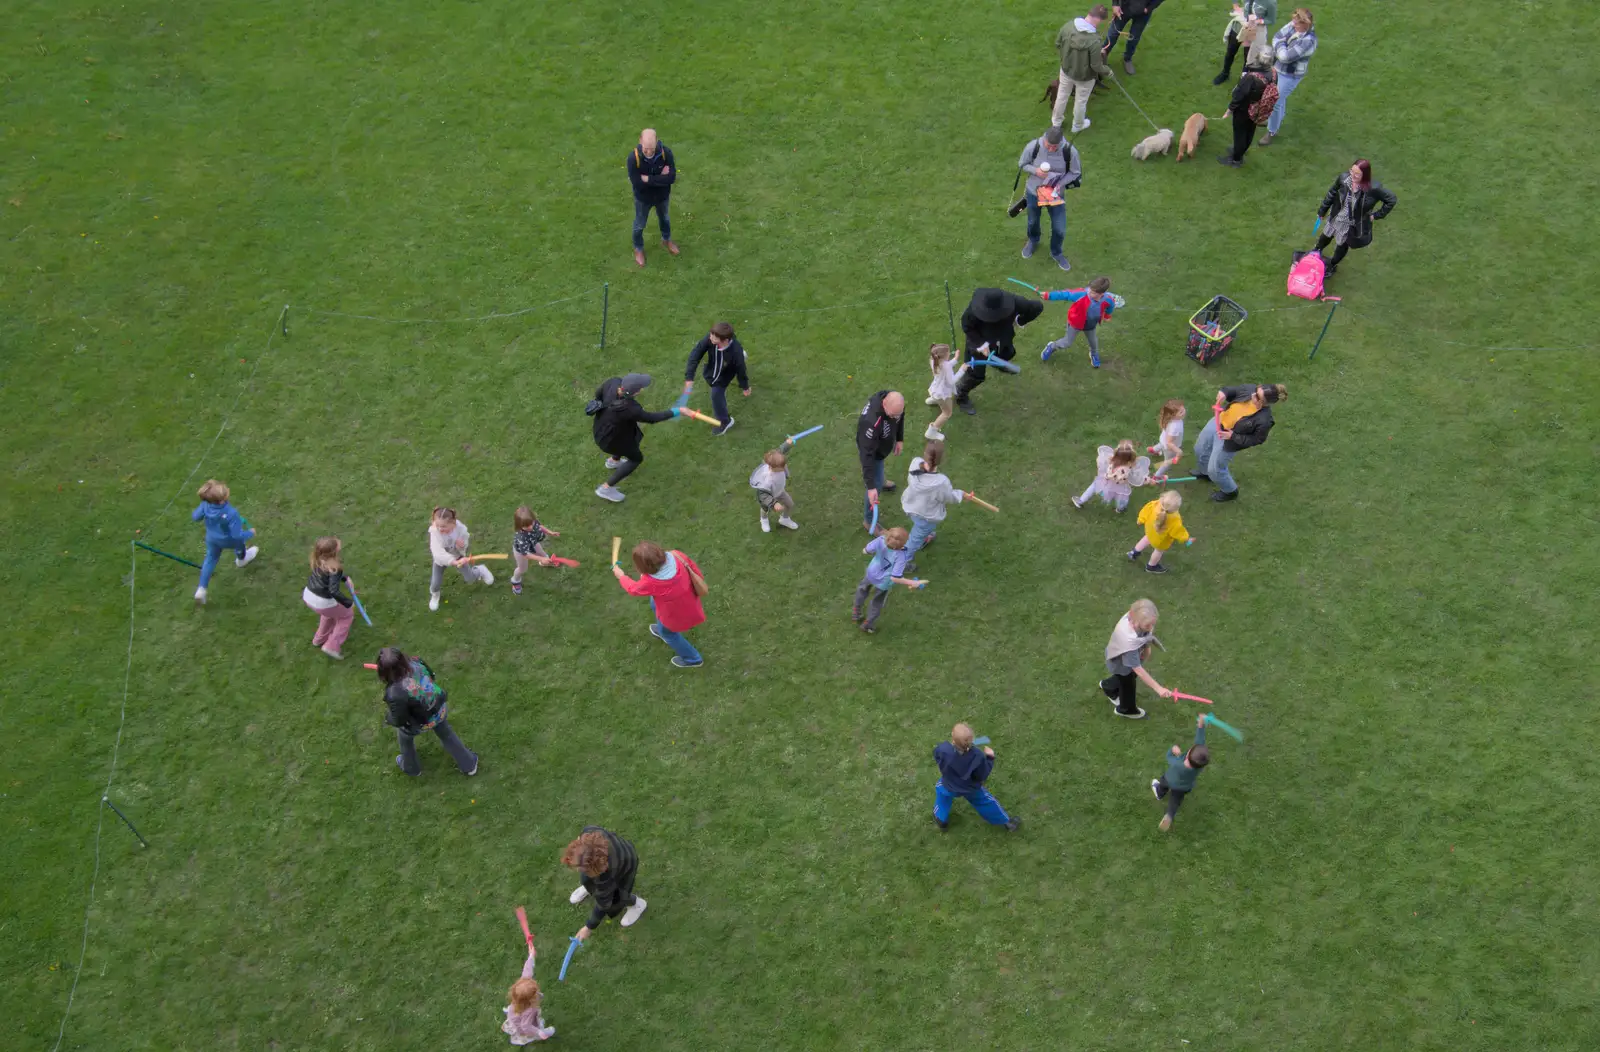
x: 1103, y: 458
x: 1141, y: 471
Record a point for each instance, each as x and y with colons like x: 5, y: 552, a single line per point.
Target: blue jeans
x: 1134, y: 33
x: 987, y: 806
x: 641, y: 215
x: 214, y: 550
x: 719, y: 403
x: 1212, y: 460
x: 1058, y: 223
x: 866, y: 502
x: 921, y: 530
x: 676, y: 640
x: 1286, y: 85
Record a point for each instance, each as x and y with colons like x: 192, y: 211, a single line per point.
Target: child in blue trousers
x: 962, y: 772
x: 225, y: 528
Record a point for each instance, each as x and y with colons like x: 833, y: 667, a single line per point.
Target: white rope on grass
x: 837, y: 306
x: 1142, y: 113
x: 116, y: 748
x: 449, y: 321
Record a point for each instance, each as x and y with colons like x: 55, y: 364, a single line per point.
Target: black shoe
x: 1220, y: 78
x: 1227, y: 161
x: 1107, y: 691
x: 1198, y: 477
x: 1132, y: 555
x: 1155, y: 568
x: 723, y: 429
x: 1223, y: 498
x: 944, y: 827
x: 1136, y: 714
x: 967, y: 407
x: 1011, y: 826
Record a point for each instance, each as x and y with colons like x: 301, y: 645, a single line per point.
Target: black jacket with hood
x: 876, y: 435
x: 722, y: 366
x: 616, y: 425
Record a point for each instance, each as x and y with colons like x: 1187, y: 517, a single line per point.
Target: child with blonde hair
x: 449, y: 540
x: 1162, y: 526
x: 770, y: 480
x: 962, y: 772
x: 1125, y: 655
x: 524, y: 1021
x: 887, y: 568
x: 323, y: 595
x: 1117, y: 471
x: 1169, y: 443
x: 527, y: 543
x: 225, y: 528
x: 942, y: 391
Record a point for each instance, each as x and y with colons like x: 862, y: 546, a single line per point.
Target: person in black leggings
x: 1246, y: 93
x: 1350, y: 207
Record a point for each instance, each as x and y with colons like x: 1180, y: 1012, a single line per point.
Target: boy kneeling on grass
x: 1182, y: 769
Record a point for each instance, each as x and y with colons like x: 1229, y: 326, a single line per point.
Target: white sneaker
x: 200, y: 597
x: 249, y: 553
x: 933, y: 435
x: 433, y: 600
x: 631, y: 918
x: 485, y: 576
x: 1076, y: 128
x: 611, y: 493
x: 766, y: 527
x: 579, y: 895
x: 611, y: 463
x: 788, y: 523
x: 930, y: 400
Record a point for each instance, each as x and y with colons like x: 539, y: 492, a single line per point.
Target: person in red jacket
x: 674, y: 584
x: 1090, y: 307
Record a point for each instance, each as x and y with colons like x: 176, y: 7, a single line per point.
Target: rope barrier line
x: 837, y: 306
x: 116, y: 748
x: 447, y: 321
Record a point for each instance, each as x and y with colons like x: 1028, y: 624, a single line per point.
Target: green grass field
x: 1398, y: 612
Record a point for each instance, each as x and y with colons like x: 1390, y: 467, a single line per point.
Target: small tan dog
x: 1193, y: 128
x: 1160, y: 142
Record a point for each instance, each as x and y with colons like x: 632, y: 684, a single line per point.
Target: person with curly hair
x: 606, y: 866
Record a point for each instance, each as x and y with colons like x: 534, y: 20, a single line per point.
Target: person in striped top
x: 606, y: 865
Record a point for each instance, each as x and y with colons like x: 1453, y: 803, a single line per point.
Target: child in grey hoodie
x: 926, y: 494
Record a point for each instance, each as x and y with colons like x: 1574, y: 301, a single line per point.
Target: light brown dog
x: 1193, y: 128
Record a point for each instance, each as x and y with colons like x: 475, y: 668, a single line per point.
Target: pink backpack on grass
x: 1305, y: 277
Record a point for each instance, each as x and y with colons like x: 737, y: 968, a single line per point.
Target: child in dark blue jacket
x: 225, y: 528
x: 962, y: 772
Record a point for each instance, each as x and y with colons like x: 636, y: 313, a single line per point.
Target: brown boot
x: 638, y: 256
x: 671, y: 246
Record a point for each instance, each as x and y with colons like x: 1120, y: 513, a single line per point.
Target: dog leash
x: 1142, y: 113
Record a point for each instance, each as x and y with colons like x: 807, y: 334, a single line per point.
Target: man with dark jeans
x: 989, y: 326
x: 652, y: 173
x: 1132, y: 15
x: 1052, y: 166
x: 1252, y: 85
x: 880, y: 432
x: 617, y: 431
x: 724, y: 363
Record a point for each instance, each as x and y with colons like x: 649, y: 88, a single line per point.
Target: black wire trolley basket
x: 1211, y: 329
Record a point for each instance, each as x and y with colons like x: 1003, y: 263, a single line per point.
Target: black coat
x: 659, y: 188
x: 876, y: 435
x: 1375, y: 203
x: 722, y: 367
x: 998, y: 334
x: 1135, y: 8
x: 616, y: 425
x: 611, y: 888
x: 1252, y: 430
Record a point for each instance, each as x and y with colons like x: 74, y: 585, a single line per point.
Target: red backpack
x: 1262, y: 108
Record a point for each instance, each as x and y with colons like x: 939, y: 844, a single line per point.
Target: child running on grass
x: 1125, y: 655
x: 527, y: 544
x: 323, y: 595
x: 926, y: 494
x: 225, y: 528
x: 942, y: 391
x: 1117, y: 471
x: 449, y: 540
x: 1169, y: 444
x: 1182, y: 770
x: 771, y: 482
x: 962, y: 772
x: 1162, y: 526
x: 524, y: 1021
x: 887, y: 568
x: 1089, y: 308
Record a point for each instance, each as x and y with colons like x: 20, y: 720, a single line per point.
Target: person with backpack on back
x: 652, y: 172
x: 1083, y: 63
x: 725, y: 362
x: 1053, y: 167
x: 1250, y: 105
x: 617, y: 417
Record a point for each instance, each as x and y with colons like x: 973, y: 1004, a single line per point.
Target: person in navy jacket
x: 962, y: 772
x: 724, y: 357
x: 652, y: 172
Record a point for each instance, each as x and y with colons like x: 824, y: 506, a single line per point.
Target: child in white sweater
x: 449, y: 540
x: 771, y: 482
x: 926, y: 494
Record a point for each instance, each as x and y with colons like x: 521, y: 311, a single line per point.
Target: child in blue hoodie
x: 962, y: 772
x: 225, y: 528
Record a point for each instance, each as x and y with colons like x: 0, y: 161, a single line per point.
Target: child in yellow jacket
x: 1162, y: 526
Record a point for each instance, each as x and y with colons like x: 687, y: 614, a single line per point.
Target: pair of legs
x: 1135, y: 31
x: 1286, y: 86
x: 641, y: 216
x: 1065, y: 87
x: 1092, y: 335
x: 1106, y: 492
x: 1173, y: 797
x: 1338, y: 252
x: 866, y: 501
x: 470, y: 572
x: 982, y: 801
x: 1212, y: 461
x: 214, y: 552
x: 466, y: 760
x: 1058, y: 225
x: 625, y: 901
x: 522, y: 561
x: 1155, y: 555
x: 873, y: 597
x: 623, y: 464
x: 782, y: 503
x: 719, y: 405
x: 333, y: 628
x: 922, y: 531
x: 1244, y: 133
x: 947, y: 406
x: 1122, y: 688
x: 683, y: 651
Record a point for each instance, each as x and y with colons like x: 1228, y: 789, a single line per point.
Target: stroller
x: 1211, y: 329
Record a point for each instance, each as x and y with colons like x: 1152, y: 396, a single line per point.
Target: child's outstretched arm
x: 909, y: 582
x: 527, y: 966
x: 1150, y: 681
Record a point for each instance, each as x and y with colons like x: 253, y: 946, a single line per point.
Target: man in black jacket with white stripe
x: 880, y: 432
x: 724, y: 357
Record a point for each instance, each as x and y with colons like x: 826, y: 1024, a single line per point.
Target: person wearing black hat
x: 989, y: 325
x: 616, y: 428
